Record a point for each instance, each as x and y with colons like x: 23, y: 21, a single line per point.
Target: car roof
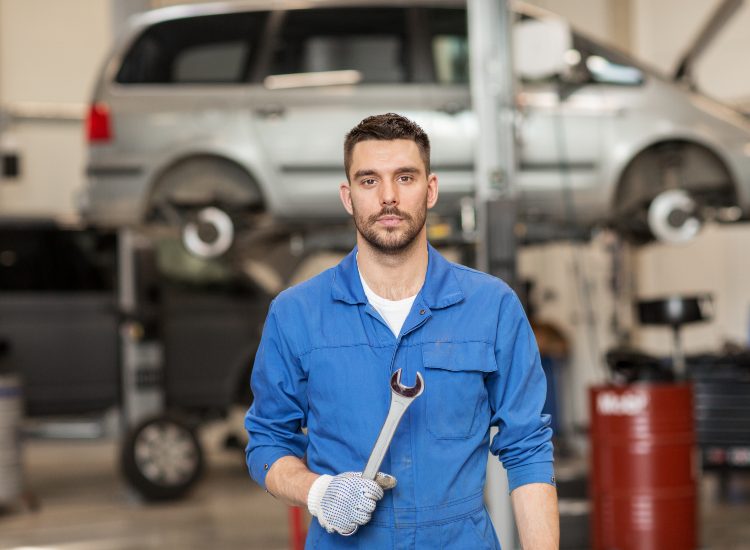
x: 183, y: 11
x: 139, y: 22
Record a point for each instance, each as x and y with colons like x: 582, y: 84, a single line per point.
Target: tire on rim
x: 690, y: 168
x: 673, y: 217
x: 209, y: 234
x: 205, y: 196
x: 162, y: 458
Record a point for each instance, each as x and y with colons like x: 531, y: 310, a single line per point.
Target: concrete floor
x: 84, y: 505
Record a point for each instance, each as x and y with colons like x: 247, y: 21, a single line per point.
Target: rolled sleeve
x: 275, y: 420
x: 539, y: 472
x: 261, y: 459
x: 517, y: 392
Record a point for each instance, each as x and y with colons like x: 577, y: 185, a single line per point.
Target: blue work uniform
x: 324, y: 363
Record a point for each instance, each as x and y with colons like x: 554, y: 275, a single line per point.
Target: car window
x: 450, y: 53
x: 370, y: 41
x: 593, y: 63
x: 197, y: 50
x: 210, y: 63
x: 449, y: 45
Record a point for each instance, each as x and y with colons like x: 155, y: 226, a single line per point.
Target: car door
x: 560, y: 148
x: 571, y: 132
x: 325, y: 69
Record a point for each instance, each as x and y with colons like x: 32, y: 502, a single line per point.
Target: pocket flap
x: 459, y: 356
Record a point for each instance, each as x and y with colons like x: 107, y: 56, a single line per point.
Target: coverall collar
x: 440, y: 289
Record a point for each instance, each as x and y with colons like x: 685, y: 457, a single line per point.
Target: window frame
x: 252, y: 42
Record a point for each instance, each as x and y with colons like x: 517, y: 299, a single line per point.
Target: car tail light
x: 98, y: 123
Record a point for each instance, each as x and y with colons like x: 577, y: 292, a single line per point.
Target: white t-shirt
x: 393, y: 312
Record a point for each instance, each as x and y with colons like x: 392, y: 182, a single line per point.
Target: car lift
x: 141, y: 358
x: 493, y: 98
x: 161, y: 456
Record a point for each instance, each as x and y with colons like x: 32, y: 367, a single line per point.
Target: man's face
x: 389, y: 193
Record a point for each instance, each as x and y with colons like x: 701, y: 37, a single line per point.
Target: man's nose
x: 389, y: 194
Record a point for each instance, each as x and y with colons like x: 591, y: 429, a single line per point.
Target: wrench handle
x: 396, y: 411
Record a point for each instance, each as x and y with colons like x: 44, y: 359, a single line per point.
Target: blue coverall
x: 324, y: 363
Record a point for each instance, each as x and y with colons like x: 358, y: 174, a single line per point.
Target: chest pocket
x: 455, y: 392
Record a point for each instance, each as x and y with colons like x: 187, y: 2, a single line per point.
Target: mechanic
x: 328, y: 350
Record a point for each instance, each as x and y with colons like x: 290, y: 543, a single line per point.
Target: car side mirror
x: 539, y: 47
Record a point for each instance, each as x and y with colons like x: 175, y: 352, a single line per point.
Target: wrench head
x: 405, y: 391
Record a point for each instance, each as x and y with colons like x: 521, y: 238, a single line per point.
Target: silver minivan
x: 242, y: 107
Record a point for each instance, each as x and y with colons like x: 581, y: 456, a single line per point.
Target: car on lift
x: 209, y: 115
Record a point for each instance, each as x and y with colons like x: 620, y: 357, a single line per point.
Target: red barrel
x: 643, y: 467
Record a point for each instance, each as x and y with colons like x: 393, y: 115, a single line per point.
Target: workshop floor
x: 84, y: 505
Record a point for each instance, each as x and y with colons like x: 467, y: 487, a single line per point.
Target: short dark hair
x: 386, y: 127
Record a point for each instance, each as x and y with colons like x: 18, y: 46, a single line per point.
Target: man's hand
x: 344, y: 502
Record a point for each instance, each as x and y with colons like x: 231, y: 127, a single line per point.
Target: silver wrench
x: 401, y: 398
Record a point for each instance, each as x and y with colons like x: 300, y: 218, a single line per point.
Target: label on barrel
x: 628, y: 403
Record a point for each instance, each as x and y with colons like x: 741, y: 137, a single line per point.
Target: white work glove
x: 344, y: 502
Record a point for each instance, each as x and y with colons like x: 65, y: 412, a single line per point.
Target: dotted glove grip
x: 344, y: 502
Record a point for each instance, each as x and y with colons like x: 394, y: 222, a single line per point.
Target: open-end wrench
x: 401, y: 398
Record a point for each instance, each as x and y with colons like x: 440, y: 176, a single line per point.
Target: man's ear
x: 345, y: 193
x: 432, y: 190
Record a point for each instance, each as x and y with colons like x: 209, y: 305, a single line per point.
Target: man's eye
x: 405, y: 179
x: 369, y: 181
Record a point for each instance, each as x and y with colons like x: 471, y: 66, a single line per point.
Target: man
x: 329, y: 348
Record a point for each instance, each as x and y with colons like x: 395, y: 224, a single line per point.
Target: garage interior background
x: 50, y: 53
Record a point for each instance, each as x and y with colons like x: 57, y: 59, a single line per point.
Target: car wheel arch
x: 715, y: 166
x: 248, y: 182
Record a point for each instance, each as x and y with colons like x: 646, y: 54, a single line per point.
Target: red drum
x: 643, y: 467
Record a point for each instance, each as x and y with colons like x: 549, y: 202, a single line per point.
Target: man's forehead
x: 382, y: 149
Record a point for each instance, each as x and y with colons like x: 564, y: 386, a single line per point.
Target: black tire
x: 162, y: 458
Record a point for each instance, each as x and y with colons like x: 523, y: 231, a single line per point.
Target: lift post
x: 141, y: 354
x: 493, y: 98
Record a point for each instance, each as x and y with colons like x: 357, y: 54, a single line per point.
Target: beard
x: 391, y: 240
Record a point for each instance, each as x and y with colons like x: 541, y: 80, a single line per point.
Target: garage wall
x: 591, y: 16
x: 61, y: 43
x: 664, y: 29
x: 716, y: 262
x: 49, y: 55
x: 660, y: 32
